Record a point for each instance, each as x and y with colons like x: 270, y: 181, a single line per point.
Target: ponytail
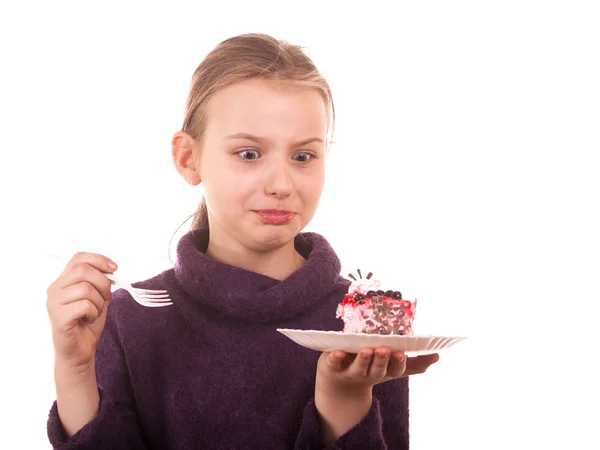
x: 200, y: 216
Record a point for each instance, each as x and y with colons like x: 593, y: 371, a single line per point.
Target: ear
x: 183, y: 148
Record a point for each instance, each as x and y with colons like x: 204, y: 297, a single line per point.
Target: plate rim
x: 384, y: 336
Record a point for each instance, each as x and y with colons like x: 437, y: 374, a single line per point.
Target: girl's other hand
x: 346, y: 372
x: 344, y: 385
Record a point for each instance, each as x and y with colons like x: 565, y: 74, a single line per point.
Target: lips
x: 275, y: 216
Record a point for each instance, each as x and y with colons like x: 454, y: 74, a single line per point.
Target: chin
x: 273, y: 237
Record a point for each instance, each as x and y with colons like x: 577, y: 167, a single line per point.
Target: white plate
x: 326, y: 341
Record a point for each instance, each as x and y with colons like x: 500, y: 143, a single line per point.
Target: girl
x: 210, y: 371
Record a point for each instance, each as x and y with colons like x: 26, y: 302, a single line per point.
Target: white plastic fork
x: 145, y: 297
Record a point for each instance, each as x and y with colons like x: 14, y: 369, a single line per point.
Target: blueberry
x: 358, y: 297
x: 380, y: 292
x: 389, y: 293
x: 371, y: 294
x: 397, y: 295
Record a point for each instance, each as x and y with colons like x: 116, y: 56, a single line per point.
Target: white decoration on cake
x: 363, y: 286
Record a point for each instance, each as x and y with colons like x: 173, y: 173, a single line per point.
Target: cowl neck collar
x: 244, y: 294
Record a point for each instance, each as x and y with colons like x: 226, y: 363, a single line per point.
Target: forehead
x: 267, y: 108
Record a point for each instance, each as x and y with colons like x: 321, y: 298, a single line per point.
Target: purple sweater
x: 212, y: 372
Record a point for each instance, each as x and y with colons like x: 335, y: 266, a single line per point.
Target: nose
x: 279, y: 183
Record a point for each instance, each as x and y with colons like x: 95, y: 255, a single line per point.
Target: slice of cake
x: 368, y: 309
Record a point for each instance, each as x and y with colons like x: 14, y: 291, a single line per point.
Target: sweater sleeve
x: 116, y: 424
x: 385, y: 427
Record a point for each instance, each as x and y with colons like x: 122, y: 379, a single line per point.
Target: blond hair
x: 240, y: 58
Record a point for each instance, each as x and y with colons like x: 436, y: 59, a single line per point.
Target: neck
x: 277, y: 263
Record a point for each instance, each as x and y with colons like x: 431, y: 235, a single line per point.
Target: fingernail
x: 400, y: 358
x: 383, y: 355
x: 365, y: 356
x: 112, y: 265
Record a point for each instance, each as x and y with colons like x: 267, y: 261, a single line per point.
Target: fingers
x: 69, y: 315
x: 84, y: 280
x: 397, y: 365
x: 83, y: 309
x: 335, y: 360
x: 100, y: 262
x: 373, y: 363
x: 84, y: 272
x: 83, y: 291
x: 380, y: 363
x: 76, y: 302
x: 360, y: 366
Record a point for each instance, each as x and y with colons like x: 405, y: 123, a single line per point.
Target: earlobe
x: 183, y: 148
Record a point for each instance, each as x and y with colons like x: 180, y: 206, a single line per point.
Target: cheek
x: 226, y: 192
x: 313, y: 188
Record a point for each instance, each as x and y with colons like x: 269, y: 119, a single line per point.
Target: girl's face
x: 262, y: 162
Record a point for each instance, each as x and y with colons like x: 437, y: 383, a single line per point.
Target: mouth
x: 275, y: 216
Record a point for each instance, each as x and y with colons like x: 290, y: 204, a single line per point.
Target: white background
x: 464, y: 172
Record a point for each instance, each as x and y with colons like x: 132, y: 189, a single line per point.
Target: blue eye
x: 249, y: 154
x: 302, y: 157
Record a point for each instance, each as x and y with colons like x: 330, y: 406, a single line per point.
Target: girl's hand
x: 77, y: 304
x: 341, y: 371
x: 343, y: 390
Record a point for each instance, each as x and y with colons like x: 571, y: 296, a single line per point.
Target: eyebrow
x: 259, y: 139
